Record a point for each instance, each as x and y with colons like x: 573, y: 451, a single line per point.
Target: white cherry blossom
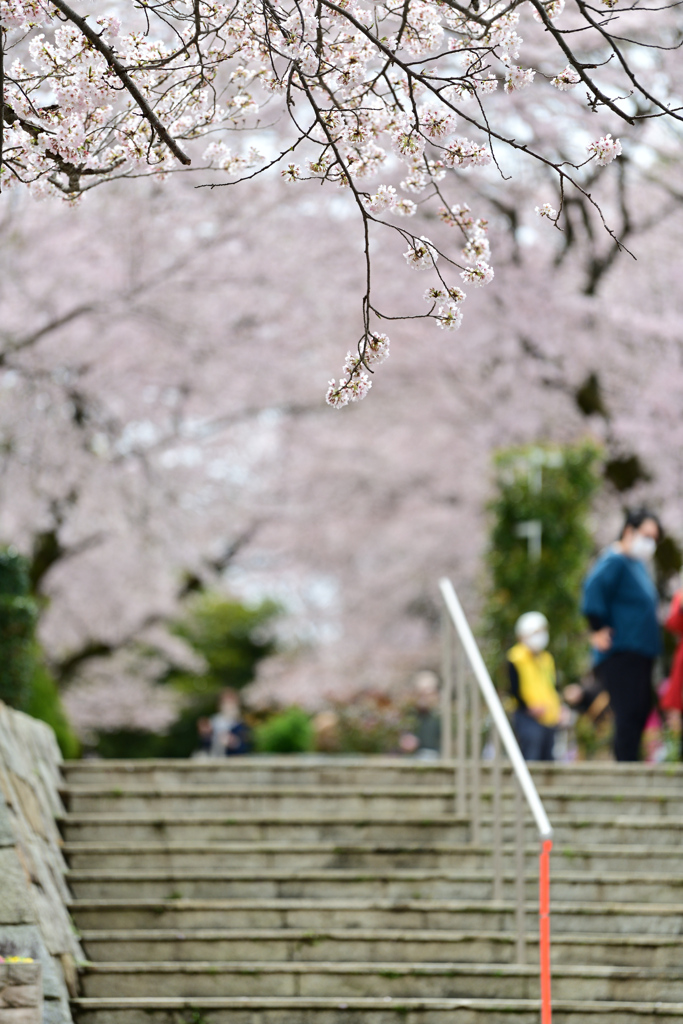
x: 421, y: 255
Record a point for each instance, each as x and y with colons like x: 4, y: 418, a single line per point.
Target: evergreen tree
x: 25, y: 682
x: 18, y: 617
x: 540, y: 548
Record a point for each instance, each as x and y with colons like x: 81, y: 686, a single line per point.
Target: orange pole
x: 544, y: 930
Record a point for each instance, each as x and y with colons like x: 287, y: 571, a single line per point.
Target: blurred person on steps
x: 620, y: 603
x: 531, y: 669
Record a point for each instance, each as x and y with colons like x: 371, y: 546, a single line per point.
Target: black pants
x: 627, y: 677
x: 536, y: 741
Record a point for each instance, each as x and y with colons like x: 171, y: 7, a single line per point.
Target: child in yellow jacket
x: 532, y: 682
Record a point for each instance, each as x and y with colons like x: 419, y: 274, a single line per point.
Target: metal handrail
x: 496, y: 710
x: 469, y: 653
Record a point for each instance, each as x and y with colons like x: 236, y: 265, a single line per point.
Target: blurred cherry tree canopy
x: 161, y: 414
x: 165, y: 349
x: 346, y: 93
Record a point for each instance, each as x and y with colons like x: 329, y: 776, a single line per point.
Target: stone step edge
x: 259, y: 789
x: 369, y: 761
x: 356, y: 967
x: 270, y: 846
x: 385, y: 1002
x: 286, y: 904
x: 363, y: 935
x: 331, y: 790
x: 267, y: 818
x: 355, y: 875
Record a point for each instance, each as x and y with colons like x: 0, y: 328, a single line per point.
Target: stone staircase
x: 297, y: 891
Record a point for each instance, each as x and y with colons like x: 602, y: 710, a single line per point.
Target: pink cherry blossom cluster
x: 356, y: 383
x: 566, y: 80
x: 605, y: 150
x: 421, y: 255
x: 478, y: 275
x: 518, y: 78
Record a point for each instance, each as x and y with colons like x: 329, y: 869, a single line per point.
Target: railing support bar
x: 475, y: 761
x: 520, y: 879
x: 461, y: 737
x: 447, y: 639
x: 497, y: 814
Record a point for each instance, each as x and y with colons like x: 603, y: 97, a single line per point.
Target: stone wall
x: 34, y: 919
x: 21, y: 993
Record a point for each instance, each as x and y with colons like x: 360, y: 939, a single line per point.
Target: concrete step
x: 443, y: 981
x: 349, y: 1010
x: 307, y: 801
x: 570, y: 830
x: 375, y: 801
x: 369, y: 946
x: 319, y: 916
x: 293, y: 828
x: 379, y: 771
x: 289, y: 857
x: 397, y: 883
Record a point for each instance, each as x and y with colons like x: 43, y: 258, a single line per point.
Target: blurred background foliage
x: 228, y: 639
x: 231, y: 638
x: 540, y: 548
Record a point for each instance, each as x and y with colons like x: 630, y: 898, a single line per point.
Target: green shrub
x: 130, y: 743
x: 45, y: 703
x: 288, y: 732
x: 372, y: 723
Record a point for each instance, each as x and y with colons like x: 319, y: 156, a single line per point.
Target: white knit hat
x: 530, y: 622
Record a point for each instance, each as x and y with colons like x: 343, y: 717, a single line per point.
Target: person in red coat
x: 672, y: 699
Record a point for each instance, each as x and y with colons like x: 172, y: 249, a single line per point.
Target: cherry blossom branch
x: 2, y: 96
x: 117, y: 67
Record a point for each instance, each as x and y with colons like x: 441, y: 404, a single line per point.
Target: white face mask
x: 538, y: 641
x: 643, y: 548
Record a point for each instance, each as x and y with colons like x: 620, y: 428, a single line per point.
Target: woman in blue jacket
x: 620, y: 603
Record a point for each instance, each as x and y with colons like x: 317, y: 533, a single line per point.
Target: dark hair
x: 637, y: 516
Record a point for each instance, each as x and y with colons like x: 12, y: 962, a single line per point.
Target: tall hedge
x: 553, y: 486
